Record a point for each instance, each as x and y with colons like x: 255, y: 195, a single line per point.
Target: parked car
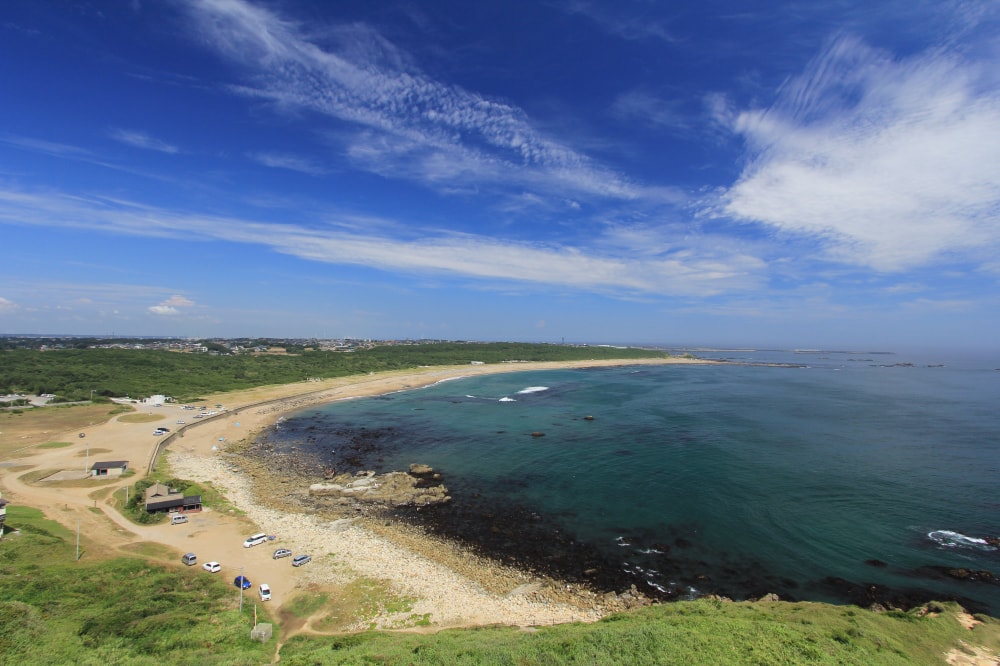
x: 255, y: 540
x: 158, y: 431
x: 265, y: 592
x: 180, y: 423
x: 212, y: 567
x: 299, y: 560
x: 178, y: 518
x: 242, y: 581
x: 189, y: 559
x: 281, y: 552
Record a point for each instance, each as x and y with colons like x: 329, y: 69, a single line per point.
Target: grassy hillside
x: 700, y: 632
x: 55, y: 610
x: 72, y: 373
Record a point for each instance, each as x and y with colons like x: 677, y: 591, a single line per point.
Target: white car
x: 265, y: 592
x: 255, y: 540
x: 212, y: 567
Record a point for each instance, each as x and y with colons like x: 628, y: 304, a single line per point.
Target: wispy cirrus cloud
x: 142, y: 140
x: 409, y: 125
x: 608, y: 266
x: 892, y: 162
x: 289, y: 162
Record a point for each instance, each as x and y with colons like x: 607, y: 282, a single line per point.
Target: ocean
x: 836, y: 476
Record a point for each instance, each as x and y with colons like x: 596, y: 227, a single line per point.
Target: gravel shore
x: 343, y: 550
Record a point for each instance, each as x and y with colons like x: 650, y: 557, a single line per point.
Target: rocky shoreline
x: 515, y: 537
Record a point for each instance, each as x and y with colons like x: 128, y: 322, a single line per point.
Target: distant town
x: 214, y: 346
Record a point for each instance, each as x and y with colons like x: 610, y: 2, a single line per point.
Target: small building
x: 3, y: 512
x: 161, y: 499
x: 109, y: 468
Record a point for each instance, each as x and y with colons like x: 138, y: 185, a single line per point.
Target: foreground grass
x: 55, y: 610
x: 699, y: 632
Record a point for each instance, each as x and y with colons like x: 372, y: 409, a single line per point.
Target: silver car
x: 281, y: 552
x: 299, y: 560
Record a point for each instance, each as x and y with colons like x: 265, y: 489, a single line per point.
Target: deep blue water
x: 737, y: 479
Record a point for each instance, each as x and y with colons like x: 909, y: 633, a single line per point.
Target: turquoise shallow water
x: 813, y: 482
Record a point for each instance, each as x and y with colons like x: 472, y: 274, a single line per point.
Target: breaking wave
x: 950, y: 539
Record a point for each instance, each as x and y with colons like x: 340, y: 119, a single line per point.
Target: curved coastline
x: 452, y: 585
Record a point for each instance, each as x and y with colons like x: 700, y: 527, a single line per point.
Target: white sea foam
x: 534, y: 389
x: 506, y: 399
x: 950, y: 539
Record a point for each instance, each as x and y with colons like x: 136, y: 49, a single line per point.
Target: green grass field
x: 126, y: 610
x: 56, y: 610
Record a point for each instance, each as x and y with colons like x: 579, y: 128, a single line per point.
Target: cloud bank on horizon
x: 379, y: 173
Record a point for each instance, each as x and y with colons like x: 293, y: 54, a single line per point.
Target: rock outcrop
x: 421, y: 486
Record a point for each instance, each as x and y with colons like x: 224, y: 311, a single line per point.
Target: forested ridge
x: 72, y: 374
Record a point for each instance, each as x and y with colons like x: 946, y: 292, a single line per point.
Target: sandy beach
x: 446, y: 586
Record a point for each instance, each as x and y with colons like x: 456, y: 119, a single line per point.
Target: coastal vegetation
x: 127, y: 610
x: 73, y: 374
x: 117, y: 610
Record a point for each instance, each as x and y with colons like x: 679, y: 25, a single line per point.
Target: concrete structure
x: 109, y: 468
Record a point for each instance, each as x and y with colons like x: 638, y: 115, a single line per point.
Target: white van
x: 178, y: 518
x: 255, y: 540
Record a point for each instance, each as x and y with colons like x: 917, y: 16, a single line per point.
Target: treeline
x: 72, y: 374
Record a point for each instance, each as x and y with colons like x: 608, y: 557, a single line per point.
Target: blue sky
x: 718, y: 173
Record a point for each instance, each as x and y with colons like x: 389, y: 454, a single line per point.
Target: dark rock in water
x: 880, y: 597
x: 876, y: 563
x: 682, y: 543
x: 588, y: 418
x: 991, y: 540
x: 960, y: 573
x: 538, y: 434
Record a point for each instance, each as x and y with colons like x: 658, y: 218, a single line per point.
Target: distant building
x: 109, y: 468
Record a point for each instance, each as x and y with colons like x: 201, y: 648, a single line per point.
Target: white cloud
x: 178, y: 301
x: 8, y: 305
x: 894, y: 163
x: 142, y: 140
x: 608, y: 266
x: 170, y: 306
x: 410, y: 125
